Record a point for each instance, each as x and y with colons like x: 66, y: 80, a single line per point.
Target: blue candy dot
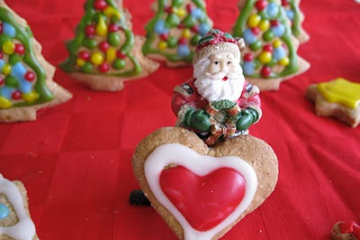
x: 203, y: 28
x: 6, y: 92
x: 249, y: 68
x: 4, y: 211
x: 197, y: 13
x: 9, y: 29
x: 278, y: 30
x: 249, y: 36
x: 272, y: 10
x: 160, y: 27
x: 279, y: 53
x: 290, y: 14
x: 183, y: 50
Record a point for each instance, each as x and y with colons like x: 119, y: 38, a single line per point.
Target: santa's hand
x: 247, y: 117
x: 197, y: 119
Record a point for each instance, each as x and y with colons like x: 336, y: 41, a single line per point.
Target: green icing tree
x: 22, y: 78
x: 103, y: 43
x: 173, y: 33
x: 271, y: 50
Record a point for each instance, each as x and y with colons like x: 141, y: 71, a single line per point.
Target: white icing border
x: 25, y: 228
x: 201, y: 165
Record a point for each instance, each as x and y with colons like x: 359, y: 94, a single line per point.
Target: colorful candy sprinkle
x: 265, y: 57
x: 29, y: 76
x: 30, y: 97
x: 254, y: 20
x: 97, y: 58
x: 8, y: 47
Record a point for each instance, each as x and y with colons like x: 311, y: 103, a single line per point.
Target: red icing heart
x: 204, y: 201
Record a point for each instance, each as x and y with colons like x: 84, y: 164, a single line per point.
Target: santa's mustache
x: 224, y: 73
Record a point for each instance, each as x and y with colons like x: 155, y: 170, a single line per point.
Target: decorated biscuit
x: 339, y: 98
x: 15, y: 221
x: 296, y: 18
x: 26, y: 84
x: 346, y: 231
x: 173, y: 33
x: 270, y: 56
x: 105, y: 52
x: 202, y: 192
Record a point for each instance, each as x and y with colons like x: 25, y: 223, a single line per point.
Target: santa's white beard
x: 214, y: 88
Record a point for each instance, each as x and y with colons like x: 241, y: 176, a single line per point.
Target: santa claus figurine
x: 217, y: 102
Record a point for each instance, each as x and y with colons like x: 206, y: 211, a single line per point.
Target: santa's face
x: 222, y: 79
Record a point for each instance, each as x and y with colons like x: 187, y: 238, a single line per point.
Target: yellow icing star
x: 341, y: 91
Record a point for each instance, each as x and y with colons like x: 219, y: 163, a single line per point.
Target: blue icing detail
x: 203, y: 28
x: 197, y: 13
x: 249, y: 68
x: 278, y: 30
x: 183, y: 50
x: 290, y: 14
x: 18, y: 71
x: 4, y: 211
x: 249, y: 36
x: 6, y: 92
x: 272, y: 10
x: 2, y: 64
x: 9, y: 30
x: 279, y: 53
x: 160, y: 27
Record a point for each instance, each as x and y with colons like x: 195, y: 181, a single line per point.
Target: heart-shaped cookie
x: 202, y: 192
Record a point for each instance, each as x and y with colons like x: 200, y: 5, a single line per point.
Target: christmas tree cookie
x: 175, y: 30
x: 296, y: 18
x: 25, y: 77
x: 270, y: 55
x: 105, y: 52
x: 15, y: 221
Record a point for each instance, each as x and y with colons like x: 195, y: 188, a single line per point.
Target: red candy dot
x: 168, y: 9
x: 181, y: 26
x: 29, y: 76
x: 284, y: 3
x: 182, y: 41
x: 113, y: 27
x: 265, y: 71
x: 2, y: 81
x: 260, y: 5
x: 90, y: 30
x: 248, y: 57
x: 100, y: 5
x: 16, y: 95
x: 189, y: 7
x: 1, y: 55
x: 104, y: 68
x: 268, y: 48
x: 84, y: 55
x: 274, y: 23
x: 1, y: 28
x: 104, y: 46
x: 255, y: 30
x: 19, y: 49
x: 164, y: 36
x: 195, y: 29
x: 120, y: 54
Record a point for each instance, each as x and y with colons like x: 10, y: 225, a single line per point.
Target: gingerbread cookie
x: 270, y: 56
x: 338, y: 98
x: 175, y: 30
x: 26, y: 83
x: 15, y: 221
x: 202, y: 192
x: 105, y: 52
x: 346, y: 231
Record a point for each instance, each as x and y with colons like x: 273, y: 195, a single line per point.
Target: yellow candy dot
x: 6, y: 69
x: 101, y: 27
x: 284, y: 61
x: 110, y: 55
x: 186, y: 33
x: 277, y: 43
x: 4, y: 103
x: 8, y: 47
x: 264, y: 25
x: 110, y: 11
x: 97, y: 58
x: 162, y: 45
x: 265, y: 57
x: 254, y: 20
x: 80, y: 62
x: 30, y: 97
x: 180, y: 12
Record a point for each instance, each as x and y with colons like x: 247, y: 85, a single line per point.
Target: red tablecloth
x: 75, y: 159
